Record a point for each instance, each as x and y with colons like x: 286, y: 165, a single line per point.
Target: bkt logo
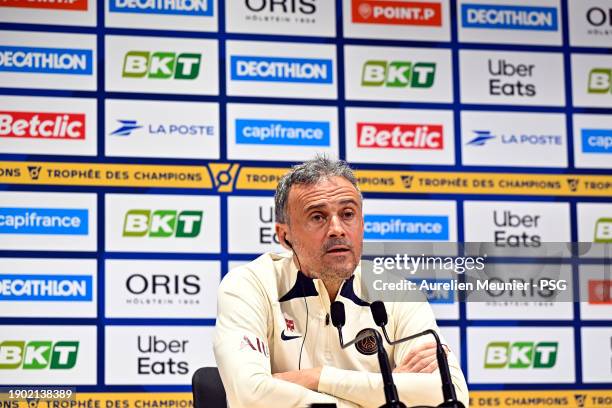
x: 600, y: 292
x: 42, y: 125
x: 600, y: 81
x: 39, y: 60
x: 481, y: 137
x: 126, y: 127
x: 282, y: 132
x: 400, y: 136
x: 509, y: 17
x: 436, y: 296
x: 596, y: 140
x: 196, y: 8
x: 46, y: 221
x: 521, y: 355
x: 394, y: 12
x: 44, y: 288
x: 406, y: 227
x: 161, y: 65
x: 162, y: 223
x: 603, y: 231
x: 398, y: 74
x: 80, y: 5
x: 280, y: 69
x: 38, y: 355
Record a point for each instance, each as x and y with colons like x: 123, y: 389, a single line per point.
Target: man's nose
x: 336, y: 229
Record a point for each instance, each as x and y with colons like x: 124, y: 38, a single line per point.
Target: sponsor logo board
x: 48, y: 355
x: 251, y: 225
x: 520, y: 355
x: 590, y: 23
x: 281, y: 132
x: 290, y: 70
x: 156, y: 354
x: 596, y: 343
x: 513, y: 139
x: 592, y: 80
x: 510, y: 22
x: 512, y: 78
x: 534, y: 303
x: 161, y: 288
x: 452, y: 339
x: 162, y: 223
x: 65, y: 126
x: 398, y: 74
x: 162, y: 129
x: 47, y: 287
x: 68, y: 12
x: 595, y: 292
x: 595, y: 225
x: 397, y: 19
x: 60, y: 221
x: 592, y: 141
x: 403, y: 136
x: 161, y: 65
x: 47, y: 61
x: 510, y: 226
x: 196, y: 15
x: 285, y: 17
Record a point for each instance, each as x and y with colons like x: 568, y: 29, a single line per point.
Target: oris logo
x: 400, y: 136
x: 598, y: 17
x: 282, y: 6
x: 160, y: 284
x: 42, y: 125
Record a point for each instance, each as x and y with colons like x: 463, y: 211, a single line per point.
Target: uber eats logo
x: 162, y: 223
x: 38, y: 355
x: 600, y: 81
x: 161, y: 65
x: 398, y: 74
x: 521, y: 355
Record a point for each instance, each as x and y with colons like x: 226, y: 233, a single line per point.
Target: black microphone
x: 379, y: 313
x: 338, y: 319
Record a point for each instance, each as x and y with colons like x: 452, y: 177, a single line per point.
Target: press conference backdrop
x: 156, y: 131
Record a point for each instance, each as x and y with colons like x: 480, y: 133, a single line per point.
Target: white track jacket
x: 268, y: 311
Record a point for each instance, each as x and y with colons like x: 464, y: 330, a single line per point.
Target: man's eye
x: 317, y: 217
x: 349, y: 214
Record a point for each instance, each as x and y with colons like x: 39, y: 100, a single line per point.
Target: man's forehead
x: 326, y: 189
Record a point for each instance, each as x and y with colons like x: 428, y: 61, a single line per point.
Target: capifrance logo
x: 400, y: 136
x: 507, y: 17
x: 196, y: 8
x: 77, y: 5
x: 281, y: 69
x: 45, y: 288
x: 44, y: 221
x: 42, y: 125
x: 282, y: 132
x: 384, y: 227
x: 596, y: 140
x: 393, y: 12
x: 43, y: 60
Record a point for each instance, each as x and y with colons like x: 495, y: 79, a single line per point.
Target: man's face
x: 325, y: 228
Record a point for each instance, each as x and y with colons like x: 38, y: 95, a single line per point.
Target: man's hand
x: 421, y: 359
x: 308, y: 377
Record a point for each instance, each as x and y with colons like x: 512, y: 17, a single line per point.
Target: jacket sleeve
x: 242, y: 352
x: 366, y: 389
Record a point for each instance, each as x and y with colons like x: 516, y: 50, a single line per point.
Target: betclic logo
x: 149, y: 64
x: 35, y: 355
x: 590, y: 23
x: 400, y: 136
x: 60, y: 12
x: 396, y: 18
x: 43, y: 4
x: 68, y: 126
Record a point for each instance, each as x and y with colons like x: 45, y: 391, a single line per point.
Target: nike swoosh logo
x: 285, y: 337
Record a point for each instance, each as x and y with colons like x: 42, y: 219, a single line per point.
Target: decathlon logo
x: 279, y: 69
x: 397, y: 13
x: 406, y: 227
x: 48, y: 221
x: 38, y: 355
x: 161, y: 65
x: 42, y: 125
x: 400, y: 136
x: 46, y: 4
x: 196, y: 8
x: 40, y: 60
x: 509, y: 17
x: 282, y: 132
x: 521, y: 355
x: 398, y: 74
x: 44, y: 288
x: 162, y: 223
x: 596, y: 140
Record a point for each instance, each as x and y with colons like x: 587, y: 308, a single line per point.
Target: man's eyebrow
x: 317, y: 206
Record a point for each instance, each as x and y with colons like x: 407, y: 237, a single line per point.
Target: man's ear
x: 284, y: 237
